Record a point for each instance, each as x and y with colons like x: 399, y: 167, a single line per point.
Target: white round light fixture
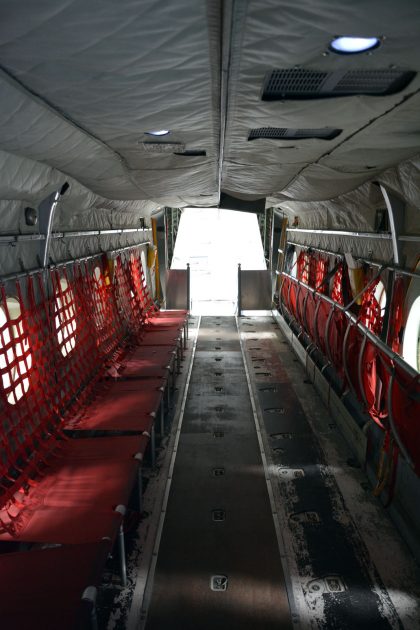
x: 158, y: 132
x: 346, y: 45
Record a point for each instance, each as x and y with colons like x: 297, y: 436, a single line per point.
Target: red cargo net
x: 76, y: 353
x: 370, y: 310
x: 142, y: 289
x: 102, y: 305
x: 337, y: 288
x: 128, y: 298
x: 303, y: 267
x: 15, y: 351
x: 321, y: 272
x: 396, y: 318
x: 29, y: 422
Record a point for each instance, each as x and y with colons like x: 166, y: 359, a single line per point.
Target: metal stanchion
x: 239, y: 291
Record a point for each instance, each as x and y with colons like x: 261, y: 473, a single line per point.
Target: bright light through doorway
x: 214, y: 242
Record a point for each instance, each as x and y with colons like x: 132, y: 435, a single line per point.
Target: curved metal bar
x: 371, y: 336
x: 327, y: 334
x: 297, y: 315
x: 318, y: 305
x: 359, y: 370
x: 345, y: 365
x: 375, y: 235
x: 288, y: 298
x: 305, y: 302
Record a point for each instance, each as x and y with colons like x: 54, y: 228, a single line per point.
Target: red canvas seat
x: 43, y: 589
x: 125, y: 406
x: 70, y: 483
x: 64, y: 525
x: 161, y: 356
x: 159, y: 321
x: 140, y: 365
x: 160, y: 338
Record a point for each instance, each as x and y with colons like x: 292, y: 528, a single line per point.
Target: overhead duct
x: 282, y: 133
x: 163, y: 147
x: 298, y: 83
x: 232, y: 203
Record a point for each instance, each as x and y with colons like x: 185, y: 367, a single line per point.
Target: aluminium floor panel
x: 218, y: 564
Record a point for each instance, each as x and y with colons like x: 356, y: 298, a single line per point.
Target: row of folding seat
x: 82, y: 466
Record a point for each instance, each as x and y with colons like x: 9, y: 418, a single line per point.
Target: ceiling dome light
x: 158, y: 132
x: 354, y: 45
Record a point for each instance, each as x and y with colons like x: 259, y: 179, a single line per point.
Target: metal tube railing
x: 372, y: 263
x: 8, y: 239
x: 370, y: 335
x: 374, y: 235
x: 31, y: 272
x: 378, y: 343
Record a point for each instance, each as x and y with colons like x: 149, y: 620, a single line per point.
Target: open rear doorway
x: 213, y: 242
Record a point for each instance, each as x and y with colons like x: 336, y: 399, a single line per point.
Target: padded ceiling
x: 83, y: 80
x: 377, y: 131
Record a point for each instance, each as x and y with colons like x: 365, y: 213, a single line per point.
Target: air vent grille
x: 298, y: 83
x: 369, y: 81
x: 282, y: 133
x: 163, y: 147
x: 191, y: 153
x: 292, y: 81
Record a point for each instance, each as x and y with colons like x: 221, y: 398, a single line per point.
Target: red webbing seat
x: 351, y: 358
x: 76, y: 525
x: 301, y: 293
x: 321, y: 272
x: 164, y: 323
x: 321, y: 325
x: 102, y: 307
x: 171, y: 313
x: 160, y: 338
x: 370, y: 311
x: 126, y: 406
x: 311, y: 305
x: 285, y: 283
x: 151, y: 311
x: 336, y: 332
x: 405, y: 400
x: 143, y: 369
x: 147, y: 362
x: 43, y: 589
x: 292, y: 298
x: 375, y: 381
x: 71, y: 480
x: 76, y: 357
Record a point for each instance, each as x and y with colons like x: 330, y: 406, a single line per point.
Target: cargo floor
x: 270, y: 521
x: 219, y: 563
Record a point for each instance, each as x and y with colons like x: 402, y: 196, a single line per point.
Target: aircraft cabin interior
x: 209, y: 315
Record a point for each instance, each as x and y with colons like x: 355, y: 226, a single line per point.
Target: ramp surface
x: 219, y: 563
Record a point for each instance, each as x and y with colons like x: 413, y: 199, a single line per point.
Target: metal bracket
x: 46, y: 211
x: 396, y: 214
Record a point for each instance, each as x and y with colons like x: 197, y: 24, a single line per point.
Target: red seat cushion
x: 160, y: 338
x: 42, y: 589
x: 126, y: 406
x: 93, y: 475
x: 161, y: 355
x: 44, y: 524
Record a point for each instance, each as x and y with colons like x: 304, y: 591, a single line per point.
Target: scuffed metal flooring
x: 347, y: 566
x: 219, y: 564
x: 337, y: 562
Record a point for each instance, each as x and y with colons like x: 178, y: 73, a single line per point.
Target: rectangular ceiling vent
x: 191, y: 153
x: 298, y: 83
x: 163, y: 147
x: 282, y: 133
